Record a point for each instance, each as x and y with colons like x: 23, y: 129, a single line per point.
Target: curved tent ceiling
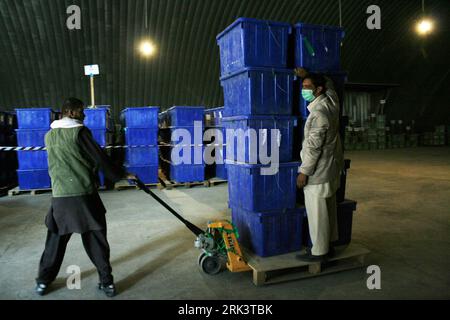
x: 42, y: 61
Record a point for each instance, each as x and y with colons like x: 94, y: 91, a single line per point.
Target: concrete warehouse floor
x: 403, y: 217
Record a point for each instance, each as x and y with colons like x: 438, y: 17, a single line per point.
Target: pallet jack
x: 218, y: 244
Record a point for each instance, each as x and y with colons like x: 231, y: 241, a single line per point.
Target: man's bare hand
x: 300, y: 72
x: 302, y: 180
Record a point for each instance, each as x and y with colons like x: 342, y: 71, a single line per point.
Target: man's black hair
x: 318, y: 80
x: 72, y: 104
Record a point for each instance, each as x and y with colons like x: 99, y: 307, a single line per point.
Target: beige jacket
x: 322, y: 155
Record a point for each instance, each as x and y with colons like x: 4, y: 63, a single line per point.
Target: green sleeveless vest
x: 71, y: 173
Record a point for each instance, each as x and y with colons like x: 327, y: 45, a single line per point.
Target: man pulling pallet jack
x: 76, y: 207
x: 322, y: 162
x: 73, y: 157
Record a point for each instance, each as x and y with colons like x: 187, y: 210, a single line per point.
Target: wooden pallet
x: 4, y: 191
x: 215, y: 181
x: 169, y: 184
x: 17, y: 191
x: 287, y: 267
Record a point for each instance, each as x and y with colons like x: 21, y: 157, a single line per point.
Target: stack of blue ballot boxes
x: 100, y: 123
x: 181, y: 152
x: 33, y: 124
x: 213, y: 124
x: 258, y: 117
x: 141, y: 139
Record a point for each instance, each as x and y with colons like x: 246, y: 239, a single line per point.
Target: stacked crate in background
x: 381, y: 131
x: 412, y: 138
x: 379, y: 134
x: 448, y: 134
x: 258, y: 96
x: 33, y: 125
x: 427, y: 139
x: 439, y: 136
x: 100, y: 123
x: 436, y: 138
x: 141, y: 139
x: 8, y: 159
x: 176, y: 126
x: 372, y: 138
x: 213, y: 121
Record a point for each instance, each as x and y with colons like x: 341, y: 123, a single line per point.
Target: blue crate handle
x: 271, y: 33
x: 323, y: 40
x: 278, y: 86
x: 309, y: 46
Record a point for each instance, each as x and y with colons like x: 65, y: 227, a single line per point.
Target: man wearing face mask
x: 322, y: 161
x: 73, y: 158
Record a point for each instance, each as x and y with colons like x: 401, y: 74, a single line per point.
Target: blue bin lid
x: 138, y: 108
x: 32, y: 130
x: 184, y: 107
x: 215, y: 109
x: 35, y: 109
x: 182, y: 127
x: 254, y: 21
x: 97, y: 108
x: 146, y: 129
x: 258, y: 69
x: 302, y: 25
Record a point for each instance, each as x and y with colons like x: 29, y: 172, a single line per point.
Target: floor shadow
x: 139, y: 251
x: 156, y: 263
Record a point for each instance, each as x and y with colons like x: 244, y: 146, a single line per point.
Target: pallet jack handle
x: 194, y: 229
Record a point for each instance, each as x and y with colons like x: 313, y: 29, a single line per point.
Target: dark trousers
x: 96, y: 246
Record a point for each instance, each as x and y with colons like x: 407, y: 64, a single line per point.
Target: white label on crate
x: 91, y: 70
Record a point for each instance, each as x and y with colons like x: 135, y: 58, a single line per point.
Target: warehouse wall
x: 41, y: 60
